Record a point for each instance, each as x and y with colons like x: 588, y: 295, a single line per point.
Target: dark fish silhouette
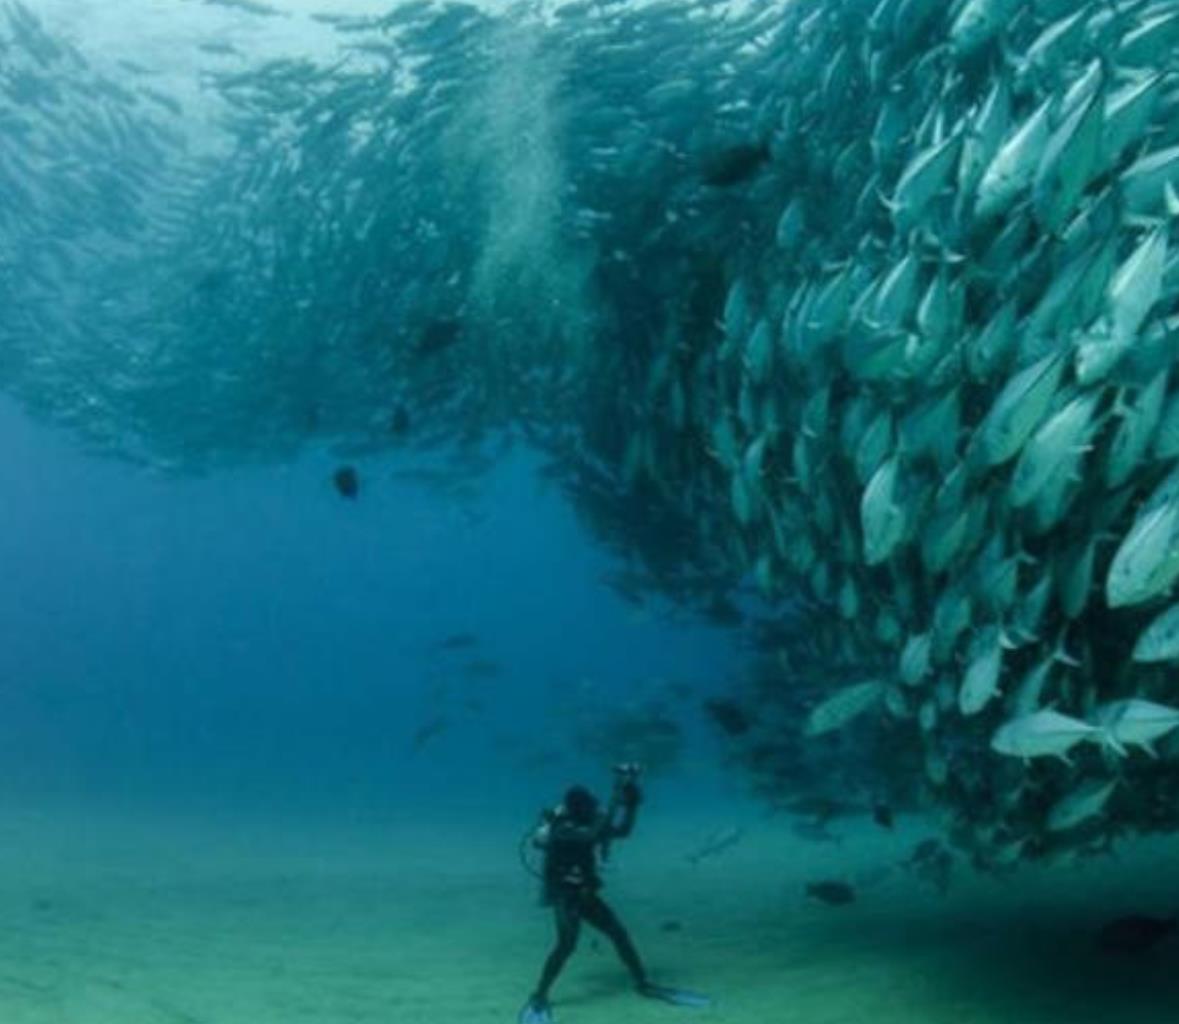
x: 426, y: 732
x: 482, y: 668
x: 219, y: 49
x: 924, y: 850
x: 734, y: 164
x: 399, y: 421
x: 882, y: 815
x: 931, y: 863
x: 249, y: 6
x: 438, y: 335
x: 1135, y: 933
x: 834, y: 894
x: 347, y: 482
x: 729, y: 715
x: 717, y: 843
x: 458, y: 642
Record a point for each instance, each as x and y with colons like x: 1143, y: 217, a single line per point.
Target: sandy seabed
x: 117, y: 918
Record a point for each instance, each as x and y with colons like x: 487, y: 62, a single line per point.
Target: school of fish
x: 872, y: 302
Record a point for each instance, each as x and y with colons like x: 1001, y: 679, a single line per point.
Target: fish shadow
x: 1037, y: 963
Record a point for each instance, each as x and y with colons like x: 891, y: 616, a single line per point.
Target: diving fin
x: 536, y: 1011
x: 675, y: 996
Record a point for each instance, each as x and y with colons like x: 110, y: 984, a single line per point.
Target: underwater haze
x: 251, y: 643
x: 760, y: 413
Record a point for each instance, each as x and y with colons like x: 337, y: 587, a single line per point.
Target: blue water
x: 266, y: 752
x: 250, y: 639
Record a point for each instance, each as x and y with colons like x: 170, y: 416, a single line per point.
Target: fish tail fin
x: 1172, y: 200
x: 1123, y: 406
x: 889, y: 204
x: 1009, y: 58
x: 1010, y: 640
x: 1060, y: 651
x: 1062, y: 655
x: 1111, y: 743
x: 1142, y: 221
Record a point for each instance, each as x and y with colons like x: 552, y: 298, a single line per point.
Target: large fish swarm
x: 873, y: 302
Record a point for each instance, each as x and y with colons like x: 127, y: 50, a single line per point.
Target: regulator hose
x: 522, y: 850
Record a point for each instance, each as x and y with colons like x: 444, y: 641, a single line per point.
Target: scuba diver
x: 574, y: 836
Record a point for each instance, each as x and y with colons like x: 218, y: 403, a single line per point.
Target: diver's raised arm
x: 628, y: 796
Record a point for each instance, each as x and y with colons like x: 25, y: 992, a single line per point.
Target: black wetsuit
x: 571, y: 887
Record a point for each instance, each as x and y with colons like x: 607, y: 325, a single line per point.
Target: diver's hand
x: 630, y: 794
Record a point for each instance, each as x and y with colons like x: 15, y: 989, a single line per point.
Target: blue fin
x: 675, y: 996
x: 536, y: 1011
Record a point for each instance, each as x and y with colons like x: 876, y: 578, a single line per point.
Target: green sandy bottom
x: 115, y: 920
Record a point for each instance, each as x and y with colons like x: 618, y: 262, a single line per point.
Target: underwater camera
x: 626, y: 777
x: 627, y: 771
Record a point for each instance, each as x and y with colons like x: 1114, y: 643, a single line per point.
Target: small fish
x: 482, y: 668
x: 347, y: 482
x: 439, y: 335
x: 249, y: 6
x: 399, y: 421
x: 882, y: 814
x: 1159, y: 641
x: 729, y: 715
x: 1082, y: 804
x: 931, y: 863
x: 925, y: 850
x: 1136, y: 722
x: 833, y: 894
x: 218, y: 49
x: 458, y: 642
x: 1135, y: 933
x: 734, y: 165
x: 842, y: 706
x: 717, y: 843
x: 1048, y: 733
x: 671, y: 926
x: 426, y: 732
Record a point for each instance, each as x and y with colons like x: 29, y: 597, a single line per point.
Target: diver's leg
x: 598, y: 913
x: 567, y: 915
